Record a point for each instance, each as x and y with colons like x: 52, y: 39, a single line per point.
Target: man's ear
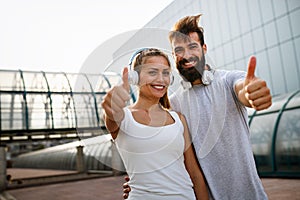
x: 204, y: 47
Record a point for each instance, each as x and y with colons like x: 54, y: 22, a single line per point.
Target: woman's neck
x: 147, y: 105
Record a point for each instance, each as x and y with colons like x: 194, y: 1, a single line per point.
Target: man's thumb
x: 251, y: 68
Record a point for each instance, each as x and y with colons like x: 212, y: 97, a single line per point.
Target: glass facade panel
x: 12, y: 112
x: 261, y: 130
x: 218, y: 52
x: 63, y: 111
x: 85, y: 110
x: 288, y: 141
x: 248, y: 44
x: 79, y: 83
x: 291, y: 71
x: 295, y: 16
x: 58, y: 82
x: 228, y: 51
x: 240, y: 64
x: 277, y: 75
x: 39, y: 114
x: 233, y: 19
x: 11, y: 81
x: 297, y: 52
x: 284, y: 29
x: 237, y: 47
x: 259, y: 39
x: 271, y: 36
x: 264, y: 68
x: 266, y: 10
x: 222, y: 10
x: 255, y: 19
x: 243, y: 18
x: 280, y: 7
x: 292, y: 4
x: 35, y: 81
x: 294, y: 102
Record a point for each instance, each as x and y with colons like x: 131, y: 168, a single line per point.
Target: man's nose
x: 187, y: 54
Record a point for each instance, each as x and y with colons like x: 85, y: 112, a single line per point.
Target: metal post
x: 3, y: 180
x: 80, y: 165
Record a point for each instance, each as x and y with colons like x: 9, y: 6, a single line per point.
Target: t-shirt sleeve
x: 234, y: 77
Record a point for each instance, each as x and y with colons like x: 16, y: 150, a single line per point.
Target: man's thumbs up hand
x: 255, y: 92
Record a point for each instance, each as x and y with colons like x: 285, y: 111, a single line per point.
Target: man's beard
x: 194, y: 73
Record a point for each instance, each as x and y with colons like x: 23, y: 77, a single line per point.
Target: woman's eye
x: 166, y: 73
x: 152, y: 72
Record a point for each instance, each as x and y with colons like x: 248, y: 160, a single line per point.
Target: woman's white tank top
x: 153, y: 158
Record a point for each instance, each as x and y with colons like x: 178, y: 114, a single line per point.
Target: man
x: 217, y: 116
x: 214, y: 106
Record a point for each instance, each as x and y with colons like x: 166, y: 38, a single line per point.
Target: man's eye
x: 178, y: 51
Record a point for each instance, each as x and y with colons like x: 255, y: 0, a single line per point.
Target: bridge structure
x: 42, y: 111
x: 51, y: 105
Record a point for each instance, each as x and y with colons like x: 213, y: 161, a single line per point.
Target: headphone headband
x: 135, y: 54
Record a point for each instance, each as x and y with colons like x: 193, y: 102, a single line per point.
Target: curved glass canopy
x: 33, y: 103
x: 275, y: 136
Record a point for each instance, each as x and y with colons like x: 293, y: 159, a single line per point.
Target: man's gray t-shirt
x: 218, y: 124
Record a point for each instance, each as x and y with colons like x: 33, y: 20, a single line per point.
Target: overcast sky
x: 58, y: 35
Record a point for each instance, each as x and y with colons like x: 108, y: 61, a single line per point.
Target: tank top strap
x: 175, y: 116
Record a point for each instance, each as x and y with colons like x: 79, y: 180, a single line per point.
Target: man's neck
x: 197, y: 82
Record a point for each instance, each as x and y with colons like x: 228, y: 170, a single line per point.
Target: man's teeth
x: 190, y: 63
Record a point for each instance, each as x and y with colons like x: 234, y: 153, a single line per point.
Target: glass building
x: 234, y: 30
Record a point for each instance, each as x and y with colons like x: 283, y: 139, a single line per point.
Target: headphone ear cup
x: 133, y: 77
x: 171, y: 79
x: 207, y: 77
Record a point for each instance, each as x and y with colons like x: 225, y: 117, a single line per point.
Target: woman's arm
x: 192, y: 165
x: 113, y: 103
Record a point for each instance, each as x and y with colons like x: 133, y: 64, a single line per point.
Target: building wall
x: 236, y: 29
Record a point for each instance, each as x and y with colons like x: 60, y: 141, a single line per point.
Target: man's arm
x: 253, y: 91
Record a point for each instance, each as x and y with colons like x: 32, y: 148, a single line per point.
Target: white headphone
x: 207, y: 76
x: 133, y: 76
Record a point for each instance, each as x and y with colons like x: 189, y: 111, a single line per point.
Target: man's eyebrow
x: 156, y: 69
x: 176, y: 48
x: 193, y: 43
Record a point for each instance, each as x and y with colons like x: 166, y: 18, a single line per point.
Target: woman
x: 153, y: 141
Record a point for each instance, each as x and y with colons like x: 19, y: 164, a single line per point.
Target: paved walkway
x: 110, y: 188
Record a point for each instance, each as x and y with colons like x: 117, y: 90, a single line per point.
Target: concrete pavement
x: 110, y: 188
